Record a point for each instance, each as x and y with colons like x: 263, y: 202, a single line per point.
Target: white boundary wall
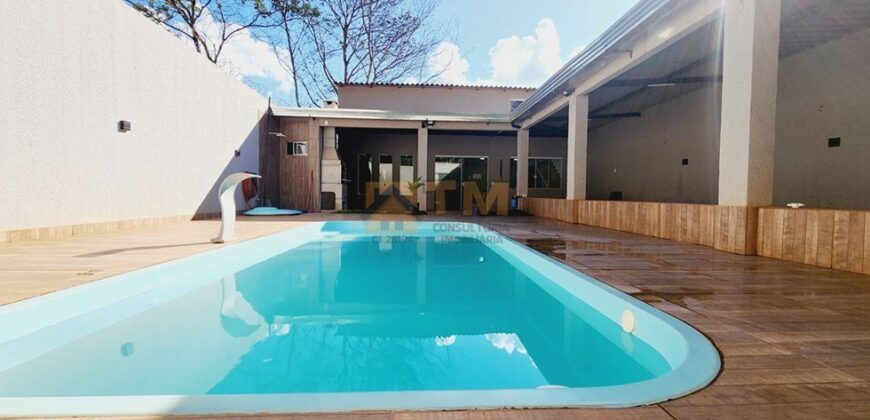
x: 68, y: 74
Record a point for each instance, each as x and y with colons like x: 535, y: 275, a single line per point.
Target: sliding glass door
x: 459, y: 169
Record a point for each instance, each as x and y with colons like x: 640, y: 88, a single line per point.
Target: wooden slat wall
x: 727, y: 228
x: 294, y: 172
x: 551, y: 208
x: 314, y: 153
x: 837, y: 239
x: 270, y: 155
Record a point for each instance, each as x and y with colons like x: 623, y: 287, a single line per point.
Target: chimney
x: 330, y: 104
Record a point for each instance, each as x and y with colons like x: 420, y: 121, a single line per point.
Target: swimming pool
x: 344, y: 316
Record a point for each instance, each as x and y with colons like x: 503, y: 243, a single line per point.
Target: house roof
x: 636, y: 17
x: 375, y: 114
x: 438, y: 85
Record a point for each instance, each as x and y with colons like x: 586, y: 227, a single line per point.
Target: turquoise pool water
x: 361, y: 313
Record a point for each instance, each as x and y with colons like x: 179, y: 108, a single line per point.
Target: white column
x: 423, y: 166
x: 578, y: 127
x: 523, y: 163
x: 750, y: 62
x: 330, y: 167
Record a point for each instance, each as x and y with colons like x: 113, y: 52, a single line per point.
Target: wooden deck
x: 795, y: 338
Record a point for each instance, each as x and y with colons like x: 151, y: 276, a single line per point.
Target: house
x: 385, y: 135
x: 685, y: 119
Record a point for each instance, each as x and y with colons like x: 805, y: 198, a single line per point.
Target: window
x: 297, y: 148
x: 544, y: 173
x: 513, y: 173
x: 385, y: 173
x: 363, y: 172
x: 406, y: 173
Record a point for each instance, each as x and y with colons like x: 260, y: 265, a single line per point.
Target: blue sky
x: 521, y: 42
x: 501, y: 42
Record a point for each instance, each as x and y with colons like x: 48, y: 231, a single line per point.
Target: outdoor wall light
x: 427, y: 123
x: 567, y: 92
x: 123, y: 126
x: 238, y: 152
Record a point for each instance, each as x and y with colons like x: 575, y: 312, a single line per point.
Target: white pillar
x: 330, y: 167
x: 750, y: 63
x: 523, y: 163
x: 423, y: 166
x: 578, y: 127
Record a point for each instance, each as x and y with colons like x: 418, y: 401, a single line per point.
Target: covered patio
x: 701, y: 124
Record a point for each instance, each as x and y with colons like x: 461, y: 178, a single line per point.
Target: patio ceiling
x: 808, y: 23
x: 694, y: 61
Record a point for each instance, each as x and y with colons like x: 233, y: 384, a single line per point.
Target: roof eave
x: 367, y: 114
x: 628, y: 23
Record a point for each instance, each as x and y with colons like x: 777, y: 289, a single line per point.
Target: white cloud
x: 245, y: 56
x: 527, y: 60
x: 507, y: 342
x: 447, y: 64
x: 445, y: 341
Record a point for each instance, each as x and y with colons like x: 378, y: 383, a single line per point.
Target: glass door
x: 385, y: 174
x: 474, y: 170
x: 460, y: 169
x: 448, y: 168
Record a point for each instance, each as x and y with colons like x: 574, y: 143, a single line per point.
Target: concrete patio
x: 795, y: 338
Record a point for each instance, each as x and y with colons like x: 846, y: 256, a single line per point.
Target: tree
x: 290, y: 18
x: 321, y: 43
x: 368, y: 41
x: 207, y: 24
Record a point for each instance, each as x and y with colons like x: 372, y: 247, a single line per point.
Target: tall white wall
x: 642, y: 157
x: 824, y: 92
x: 68, y: 74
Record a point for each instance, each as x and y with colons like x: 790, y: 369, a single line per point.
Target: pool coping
x: 656, y: 390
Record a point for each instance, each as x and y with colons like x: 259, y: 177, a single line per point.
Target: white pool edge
x: 700, y: 366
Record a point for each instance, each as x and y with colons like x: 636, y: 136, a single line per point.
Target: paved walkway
x: 795, y: 338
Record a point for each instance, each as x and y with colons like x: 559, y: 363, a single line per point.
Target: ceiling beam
x: 643, y: 88
x: 614, y: 116
x: 662, y: 81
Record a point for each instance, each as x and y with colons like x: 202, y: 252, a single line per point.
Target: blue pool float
x: 271, y: 211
